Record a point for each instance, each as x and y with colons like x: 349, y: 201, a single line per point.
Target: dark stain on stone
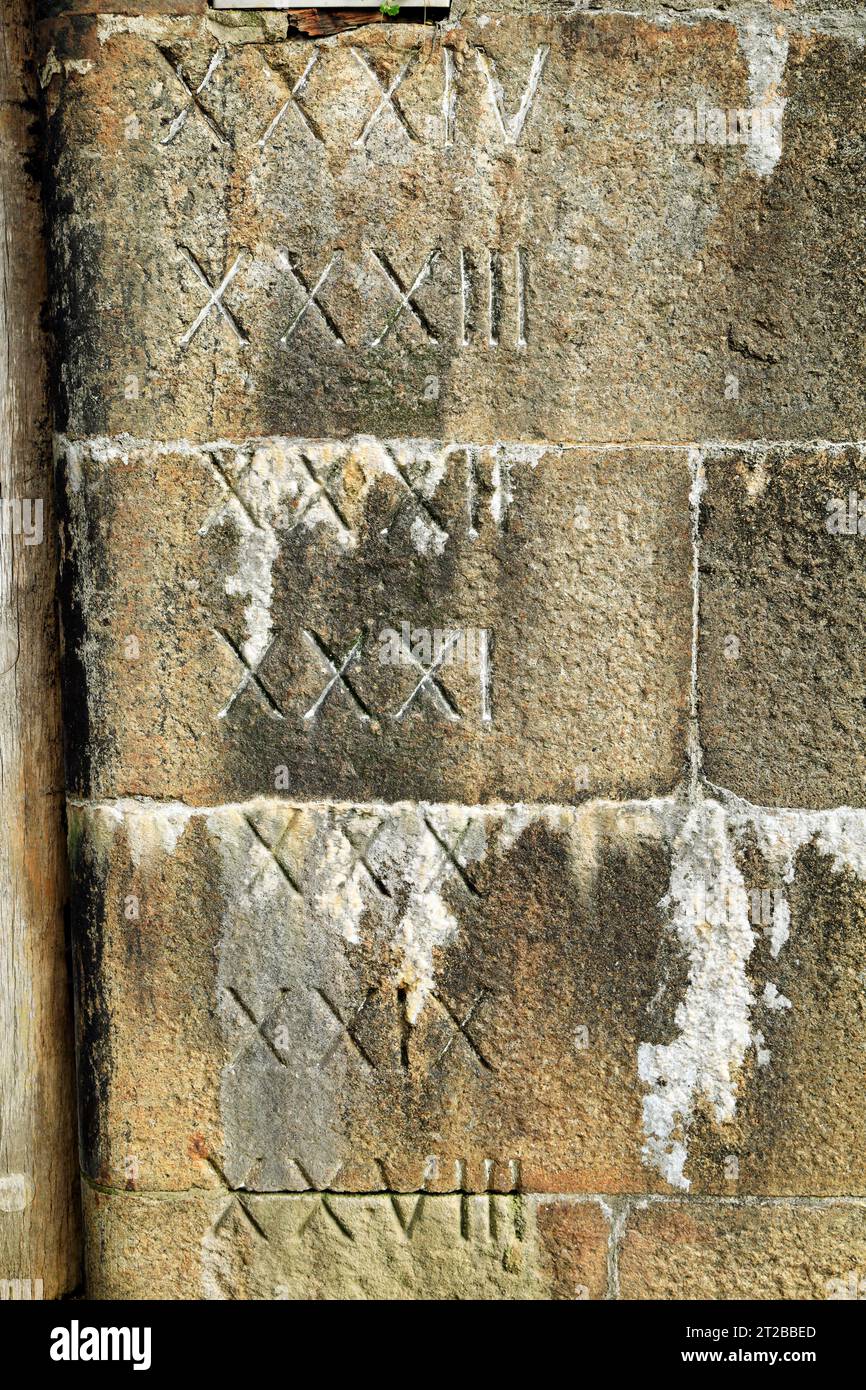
x: 92, y: 1008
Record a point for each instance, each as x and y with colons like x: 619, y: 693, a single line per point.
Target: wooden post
x: 39, y: 1220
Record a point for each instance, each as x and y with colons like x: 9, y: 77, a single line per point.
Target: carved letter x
x: 347, y: 1029
x: 194, y: 104
x: 360, y: 851
x: 428, y: 684
x: 449, y: 858
x: 338, y: 676
x: 406, y: 296
x: 275, y: 851
x: 312, y: 298
x: 215, y: 300
x: 294, y: 98
x: 460, y: 1026
x: 250, y: 677
x: 387, y: 97
x: 258, y: 1025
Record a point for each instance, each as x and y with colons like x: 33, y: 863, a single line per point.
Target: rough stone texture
x: 713, y: 1250
x: 442, y: 998
x: 803, y: 1108
x: 221, y: 1246
x: 430, y: 998
x: 215, y: 593
x: 351, y: 1021
x: 783, y: 674
x: 641, y: 287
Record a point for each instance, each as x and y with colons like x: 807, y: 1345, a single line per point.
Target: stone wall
x: 463, y: 556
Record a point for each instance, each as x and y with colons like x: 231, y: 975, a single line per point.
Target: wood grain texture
x: 39, y: 1219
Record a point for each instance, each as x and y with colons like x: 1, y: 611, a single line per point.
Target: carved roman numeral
x: 407, y: 302
x: 512, y: 126
x: 193, y: 105
x: 387, y: 96
x: 215, y: 299
x: 293, y: 100
x: 251, y: 679
x: 258, y: 1025
x: 312, y: 300
x: 494, y: 290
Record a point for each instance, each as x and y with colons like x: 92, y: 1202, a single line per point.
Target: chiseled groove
x: 629, y: 1200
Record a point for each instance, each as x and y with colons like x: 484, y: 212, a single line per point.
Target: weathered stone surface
x: 371, y: 998
x: 413, y: 338
x: 713, y: 1249
x: 219, y: 1246
x: 803, y: 1108
x: 757, y: 1089
x: 782, y: 671
x: 608, y: 271
x: 508, y: 623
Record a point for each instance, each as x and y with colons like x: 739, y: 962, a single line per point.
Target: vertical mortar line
x: 696, y: 491
x: 617, y: 1209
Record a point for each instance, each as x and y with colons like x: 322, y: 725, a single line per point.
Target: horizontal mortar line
x: 679, y: 797
x: 133, y: 804
x: 118, y: 446
x: 742, y: 9
x: 638, y: 1199
x: 829, y: 21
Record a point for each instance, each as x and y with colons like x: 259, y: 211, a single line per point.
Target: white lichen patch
x: 153, y: 27
x: 447, y: 840
x: 766, y: 53
x: 772, y: 999
x: 756, y: 479
x: 780, y: 929
x: 507, y: 457
x: 54, y: 65
x: 709, y: 915
x: 762, y: 1053
x: 426, y: 537
x: 780, y: 835
x: 152, y: 828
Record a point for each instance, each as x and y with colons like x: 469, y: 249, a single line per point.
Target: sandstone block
x: 647, y: 998
x: 703, y: 1250
x: 369, y: 998
x: 802, y: 1106
x: 782, y: 674
x: 377, y: 619
x: 643, y: 250
x: 221, y: 1246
